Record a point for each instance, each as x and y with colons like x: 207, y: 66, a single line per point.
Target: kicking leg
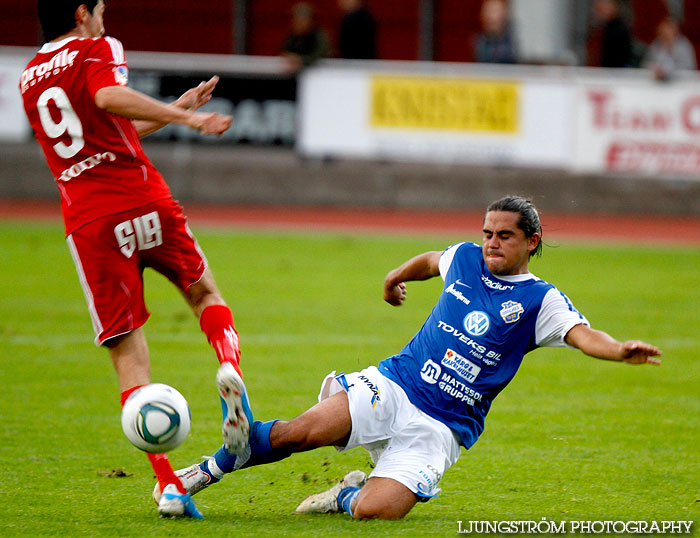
x: 216, y: 321
x: 327, y: 423
x: 215, y: 318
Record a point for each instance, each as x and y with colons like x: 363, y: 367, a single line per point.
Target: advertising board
x: 638, y: 129
x: 409, y: 116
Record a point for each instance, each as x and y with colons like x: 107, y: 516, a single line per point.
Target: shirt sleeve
x: 106, y: 65
x: 556, y: 318
x: 446, y: 259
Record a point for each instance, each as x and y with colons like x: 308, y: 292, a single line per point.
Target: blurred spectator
x: 670, y: 51
x: 495, y: 43
x: 306, y: 42
x: 616, y: 46
x: 357, y: 31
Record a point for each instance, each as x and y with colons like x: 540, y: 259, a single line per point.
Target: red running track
x: 639, y: 229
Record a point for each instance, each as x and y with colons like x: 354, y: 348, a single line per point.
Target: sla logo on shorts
x: 477, y: 323
x: 511, y: 311
x: 431, y: 372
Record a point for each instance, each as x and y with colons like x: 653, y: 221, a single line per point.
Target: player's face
x: 95, y: 24
x: 505, y: 247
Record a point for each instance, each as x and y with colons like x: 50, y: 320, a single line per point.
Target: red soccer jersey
x: 96, y: 157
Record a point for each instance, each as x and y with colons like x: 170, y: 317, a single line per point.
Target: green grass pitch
x: 572, y: 438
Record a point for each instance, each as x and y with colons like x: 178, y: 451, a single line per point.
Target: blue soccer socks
x: 346, y: 497
x: 259, y: 450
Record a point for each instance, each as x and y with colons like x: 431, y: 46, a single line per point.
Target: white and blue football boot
x: 172, y: 503
x: 235, y: 408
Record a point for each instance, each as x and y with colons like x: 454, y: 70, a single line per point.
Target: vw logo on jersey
x: 477, y: 323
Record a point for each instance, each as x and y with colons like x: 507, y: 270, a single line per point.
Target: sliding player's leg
x: 376, y: 498
x: 328, y: 423
x: 411, y: 452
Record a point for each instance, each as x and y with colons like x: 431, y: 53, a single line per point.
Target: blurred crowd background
x: 578, y: 32
x: 592, y: 105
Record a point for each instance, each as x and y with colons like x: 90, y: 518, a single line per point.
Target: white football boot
x: 193, y: 479
x: 238, y: 417
x: 327, y: 501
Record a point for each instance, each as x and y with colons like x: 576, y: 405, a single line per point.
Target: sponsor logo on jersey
x: 431, y: 372
x: 477, y: 323
x: 121, y: 75
x: 458, y: 294
x: 495, y: 285
x: 462, y: 366
x: 458, y: 390
x: 511, y: 311
x: 475, y: 346
x: 58, y: 63
x: 373, y: 389
x: 87, y: 164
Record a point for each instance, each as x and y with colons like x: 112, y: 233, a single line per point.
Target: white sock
x: 214, y: 469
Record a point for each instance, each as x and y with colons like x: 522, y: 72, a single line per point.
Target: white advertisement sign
x: 639, y: 129
x: 419, y: 117
x: 14, y: 126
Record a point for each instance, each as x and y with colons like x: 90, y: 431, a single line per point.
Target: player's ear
x: 533, y: 241
x: 81, y: 14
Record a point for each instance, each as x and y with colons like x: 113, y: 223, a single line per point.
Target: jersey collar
x: 55, y: 45
x: 517, y: 278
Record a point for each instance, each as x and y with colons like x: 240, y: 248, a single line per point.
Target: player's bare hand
x: 637, y: 352
x: 395, y: 295
x: 212, y: 123
x: 194, y: 98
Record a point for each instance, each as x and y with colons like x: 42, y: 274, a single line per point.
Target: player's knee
x: 387, y: 509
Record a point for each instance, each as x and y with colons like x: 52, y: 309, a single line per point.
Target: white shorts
x: 405, y: 444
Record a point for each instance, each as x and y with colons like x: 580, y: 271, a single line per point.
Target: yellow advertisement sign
x: 446, y: 104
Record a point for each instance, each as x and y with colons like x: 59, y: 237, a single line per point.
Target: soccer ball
x: 156, y: 418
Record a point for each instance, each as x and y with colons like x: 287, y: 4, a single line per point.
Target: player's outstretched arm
x: 601, y: 345
x: 192, y: 100
x: 421, y: 267
x: 138, y: 106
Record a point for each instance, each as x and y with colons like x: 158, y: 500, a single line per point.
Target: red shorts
x: 111, y: 253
